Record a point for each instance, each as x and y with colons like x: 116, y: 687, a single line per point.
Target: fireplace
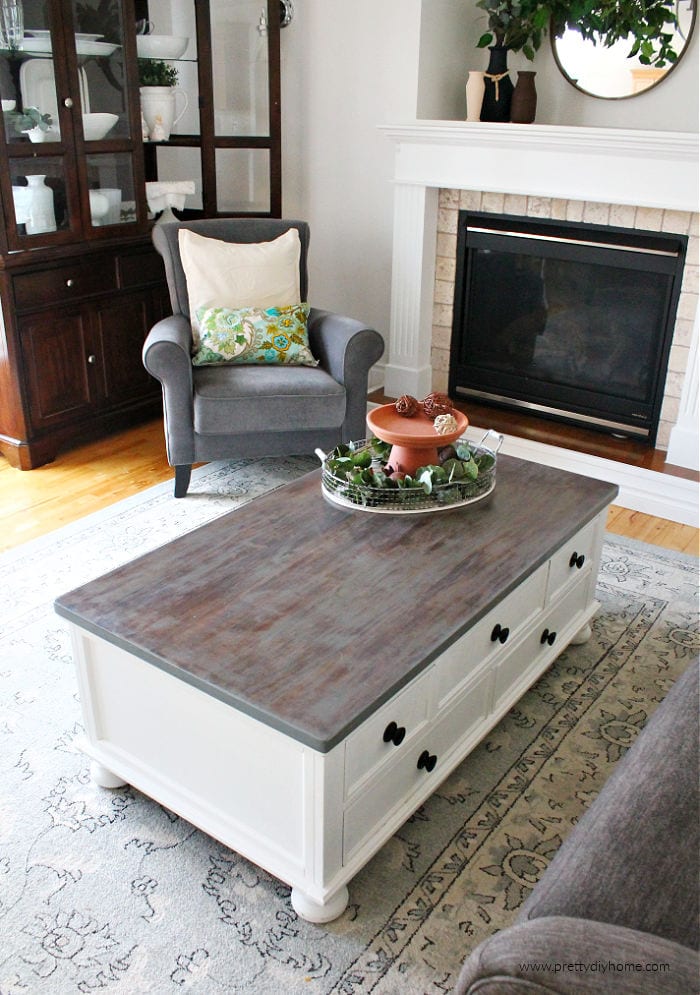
x: 573, y: 322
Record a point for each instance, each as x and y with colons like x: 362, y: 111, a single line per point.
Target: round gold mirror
x: 608, y: 71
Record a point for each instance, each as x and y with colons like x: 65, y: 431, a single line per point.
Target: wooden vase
x: 524, y: 102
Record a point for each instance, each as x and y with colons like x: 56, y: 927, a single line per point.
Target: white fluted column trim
x: 408, y: 369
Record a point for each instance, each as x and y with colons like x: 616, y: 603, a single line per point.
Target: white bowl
x: 9, y: 105
x: 160, y: 46
x: 96, y: 126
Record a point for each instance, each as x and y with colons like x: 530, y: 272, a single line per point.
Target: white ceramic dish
x: 41, y: 47
x: 161, y: 46
x: 38, y: 87
x: 97, y: 126
x: 44, y: 33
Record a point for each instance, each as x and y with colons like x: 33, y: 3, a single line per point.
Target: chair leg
x: 182, y: 480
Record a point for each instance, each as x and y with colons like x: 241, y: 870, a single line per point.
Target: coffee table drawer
x: 541, y: 646
x: 418, y: 770
x: 388, y: 732
x: 495, y: 630
x: 572, y: 559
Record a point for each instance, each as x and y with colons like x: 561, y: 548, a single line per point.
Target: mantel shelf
x: 614, y: 165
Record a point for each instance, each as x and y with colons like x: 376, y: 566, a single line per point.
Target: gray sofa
x: 620, y: 899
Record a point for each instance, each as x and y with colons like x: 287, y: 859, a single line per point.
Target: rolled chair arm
x: 558, y: 954
x: 347, y: 349
x: 167, y: 357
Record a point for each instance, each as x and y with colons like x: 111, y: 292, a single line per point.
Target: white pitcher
x: 158, y: 108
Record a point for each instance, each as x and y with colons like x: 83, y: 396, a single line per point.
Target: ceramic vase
x: 475, y: 94
x: 40, y: 209
x: 524, y: 103
x: 158, y: 109
x: 498, y: 87
x: 36, y: 134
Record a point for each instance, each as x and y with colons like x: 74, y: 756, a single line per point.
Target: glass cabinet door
x: 229, y: 147
x: 68, y: 128
x: 107, y: 166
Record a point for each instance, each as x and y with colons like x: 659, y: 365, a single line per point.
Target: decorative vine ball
x: 437, y: 404
x: 444, y: 424
x: 406, y: 406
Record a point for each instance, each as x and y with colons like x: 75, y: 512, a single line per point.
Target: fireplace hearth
x: 571, y: 321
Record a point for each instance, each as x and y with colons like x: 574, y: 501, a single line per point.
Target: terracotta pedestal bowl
x: 414, y: 441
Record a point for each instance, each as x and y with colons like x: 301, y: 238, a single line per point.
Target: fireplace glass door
x: 573, y: 321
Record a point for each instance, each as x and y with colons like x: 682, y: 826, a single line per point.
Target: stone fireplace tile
x: 574, y: 210
x: 493, y: 202
x: 470, y: 200
x: 678, y: 358
x: 447, y: 220
x: 559, y: 207
x: 515, y: 204
x: 444, y: 292
x: 449, y: 199
x: 446, y: 245
x: 595, y: 213
x: 691, y: 279
x: 676, y: 221
x: 649, y: 218
x: 687, y: 305
x: 442, y: 315
x: 539, y: 207
x: 622, y: 215
x: 446, y: 269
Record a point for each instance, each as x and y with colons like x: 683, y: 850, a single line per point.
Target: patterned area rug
x: 107, y: 891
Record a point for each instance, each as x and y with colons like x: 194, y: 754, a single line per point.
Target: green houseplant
x: 30, y: 118
x: 155, y: 72
x: 521, y: 26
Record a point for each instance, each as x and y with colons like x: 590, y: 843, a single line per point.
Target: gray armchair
x: 220, y: 412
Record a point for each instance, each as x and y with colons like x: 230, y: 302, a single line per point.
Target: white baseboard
x: 652, y: 493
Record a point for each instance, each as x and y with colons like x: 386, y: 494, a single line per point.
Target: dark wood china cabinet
x: 79, y: 280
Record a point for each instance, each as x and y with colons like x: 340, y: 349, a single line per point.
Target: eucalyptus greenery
x: 30, y: 117
x: 155, y: 72
x: 521, y: 26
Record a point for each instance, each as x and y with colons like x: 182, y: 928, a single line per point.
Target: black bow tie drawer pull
x: 577, y: 560
x: 426, y: 761
x: 499, y: 633
x: 548, y: 637
x: 394, y: 734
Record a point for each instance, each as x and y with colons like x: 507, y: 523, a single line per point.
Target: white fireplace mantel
x: 600, y: 165
x: 606, y: 165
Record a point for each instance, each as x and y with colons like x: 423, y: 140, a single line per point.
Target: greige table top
x: 308, y: 617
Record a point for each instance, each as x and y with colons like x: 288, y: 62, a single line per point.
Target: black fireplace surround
x: 570, y: 321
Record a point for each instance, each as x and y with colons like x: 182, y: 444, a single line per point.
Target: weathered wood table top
x: 308, y: 617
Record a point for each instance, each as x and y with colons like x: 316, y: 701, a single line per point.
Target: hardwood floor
x: 90, y: 477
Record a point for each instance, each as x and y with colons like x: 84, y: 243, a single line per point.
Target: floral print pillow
x: 253, y: 335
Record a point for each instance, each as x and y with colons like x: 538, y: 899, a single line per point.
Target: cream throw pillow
x: 237, y: 274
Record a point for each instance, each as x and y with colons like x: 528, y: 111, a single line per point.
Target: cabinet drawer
x: 478, y: 644
x: 64, y: 283
x: 404, y: 784
x: 140, y: 269
x: 399, y: 721
x: 574, y: 557
x: 531, y: 657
